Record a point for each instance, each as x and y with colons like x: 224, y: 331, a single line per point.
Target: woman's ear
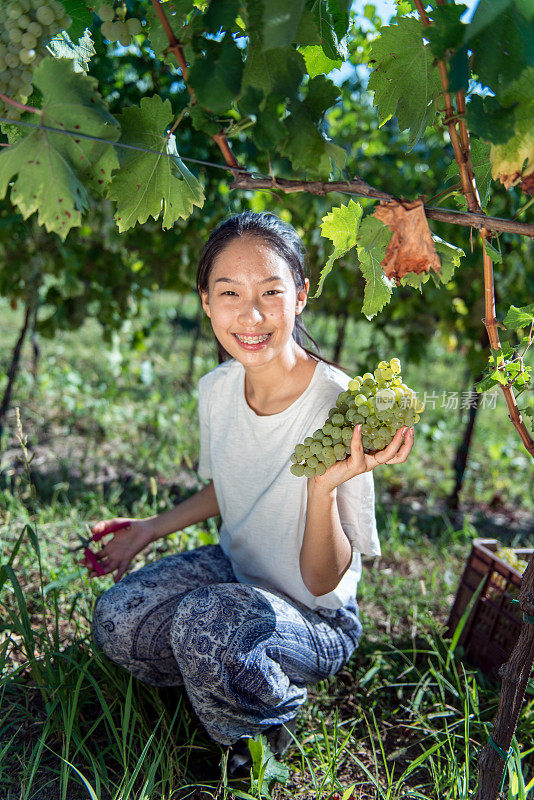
x: 204, y: 301
x: 302, y: 296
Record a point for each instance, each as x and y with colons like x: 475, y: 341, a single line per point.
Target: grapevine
x: 27, y: 27
x: 115, y: 27
x: 379, y: 401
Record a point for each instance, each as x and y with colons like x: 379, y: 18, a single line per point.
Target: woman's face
x: 252, y: 295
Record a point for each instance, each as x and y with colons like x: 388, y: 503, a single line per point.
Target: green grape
x: 298, y: 470
x: 328, y: 452
x: 327, y: 428
x: 354, y: 384
x: 339, y: 451
x: 327, y: 441
x: 134, y: 26
x: 346, y: 433
x: 382, y: 365
x: 299, y: 450
x: 45, y: 15
x: 23, y: 21
x: 318, y: 434
x: 308, y: 440
x: 12, y: 60
x: 373, y: 421
x: 336, y: 432
x: 320, y: 469
x: 307, y: 452
x: 316, y: 447
x: 14, y: 10
x: 309, y: 472
x: 388, y: 374
x: 351, y: 415
x: 363, y: 411
x: 313, y: 462
x: 106, y: 12
x: 395, y: 365
x: 367, y: 376
x: 106, y: 29
x: 337, y: 419
x: 35, y: 29
x: 333, y: 411
x: 15, y: 35
x: 28, y: 41
x: 359, y: 400
x: 378, y: 374
x: 358, y: 419
x: 293, y: 458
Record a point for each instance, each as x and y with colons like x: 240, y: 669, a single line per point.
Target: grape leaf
x: 341, y: 227
x: 52, y: 170
x: 508, y: 159
x: 216, y: 76
x: 305, y: 146
x: 446, y: 29
x: 340, y: 15
x: 307, y: 33
x: 494, y: 254
x: 403, y: 79
x: 519, y: 317
x: 373, y: 240
x: 280, y: 22
x: 322, y: 93
x: 279, y: 71
x: 450, y: 257
x: 175, y: 11
x: 150, y: 184
x: 316, y: 61
x: 62, y: 46
x: 82, y: 18
x: 333, y: 46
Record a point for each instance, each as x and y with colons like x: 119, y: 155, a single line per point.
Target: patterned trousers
x: 244, y: 654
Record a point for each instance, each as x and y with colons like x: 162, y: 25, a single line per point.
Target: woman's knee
x: 107, y: 625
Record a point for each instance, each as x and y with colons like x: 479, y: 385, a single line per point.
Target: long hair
x: 283, y: 239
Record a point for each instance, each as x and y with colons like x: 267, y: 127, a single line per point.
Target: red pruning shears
x: 95, y: 537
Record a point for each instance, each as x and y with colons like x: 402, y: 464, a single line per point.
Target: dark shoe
x: 279, y: 739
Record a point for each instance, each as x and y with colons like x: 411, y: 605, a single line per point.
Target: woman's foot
x: 278, y: 737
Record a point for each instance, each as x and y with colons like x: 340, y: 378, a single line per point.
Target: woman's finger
x: 404, y: 450
x: 388, y: 453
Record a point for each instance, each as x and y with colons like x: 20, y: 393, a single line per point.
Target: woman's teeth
x: 252, y: 339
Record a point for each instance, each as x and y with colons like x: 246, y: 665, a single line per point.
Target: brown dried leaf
x: 411, y: 248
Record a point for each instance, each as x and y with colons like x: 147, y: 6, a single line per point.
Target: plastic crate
x: 492, y: 628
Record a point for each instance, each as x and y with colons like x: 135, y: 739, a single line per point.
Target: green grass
x: 405, y: 717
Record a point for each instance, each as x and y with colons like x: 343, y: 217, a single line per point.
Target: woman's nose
x: 249, y: 313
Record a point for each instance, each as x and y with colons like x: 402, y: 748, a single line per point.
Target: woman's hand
x: 118, y: 552
x: 396, y: 452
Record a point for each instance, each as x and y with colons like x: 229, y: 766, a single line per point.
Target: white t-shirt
x: 262, y: 504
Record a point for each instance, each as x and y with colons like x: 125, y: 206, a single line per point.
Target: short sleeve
x: 204, y: 467
x: 356, y: 506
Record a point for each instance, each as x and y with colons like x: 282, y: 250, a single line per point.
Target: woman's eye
x: 229, y: 291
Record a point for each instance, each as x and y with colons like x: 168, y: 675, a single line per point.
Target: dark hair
x: 281, y: 237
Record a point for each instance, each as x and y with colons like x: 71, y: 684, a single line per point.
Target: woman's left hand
x: 358, y: 462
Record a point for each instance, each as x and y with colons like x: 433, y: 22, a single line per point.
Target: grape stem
x: 22, y: 107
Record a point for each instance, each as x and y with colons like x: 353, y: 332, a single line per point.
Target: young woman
x: 245, y: 624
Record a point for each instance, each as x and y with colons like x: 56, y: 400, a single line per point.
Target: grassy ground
x: 404, y: 718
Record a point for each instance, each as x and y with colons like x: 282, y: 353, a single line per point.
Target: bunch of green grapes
x: 115, y: 26
x: 509, y: 555
x: 380, y: 401
x: 26, y: 26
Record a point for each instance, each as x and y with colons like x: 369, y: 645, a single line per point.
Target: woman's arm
x: 197, y: 508
x: 326, y: 551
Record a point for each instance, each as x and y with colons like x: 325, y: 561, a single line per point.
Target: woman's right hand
x: 118, y: 552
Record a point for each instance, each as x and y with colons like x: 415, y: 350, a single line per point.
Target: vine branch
x: 176, y: 49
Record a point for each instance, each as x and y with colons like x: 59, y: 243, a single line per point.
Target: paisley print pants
x: 244, y: 654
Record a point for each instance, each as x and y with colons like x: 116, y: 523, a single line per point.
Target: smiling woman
x: 245, y: 624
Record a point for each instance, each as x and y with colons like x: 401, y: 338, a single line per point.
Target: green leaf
x: 307, y: 33
x: 340, y: 15
x: 515, y: 157
x: 216, y: 77
x: 486, y: 11
x: 415, y: 279
x: 403, y: 79
x: 269, y: 129
x: 485, y: 384
x: 503, y: 47
x: 334, y: 47
x: 450, y: 257
x: 53, y: 171
x: 373, y: 240
x: 481, y: 163
x: 317, y: 62
x: 337, y: 154
x: 151, y: 184
x: 62, y: 46
x: 322, y: 93
x: 494, y: 254
x: 175, y: 11
x: 341, y: 227
x: 446, y: 29
x: 487, y: 118
x: 277, y: 71
x: 82, y: 17
x: 220, y: 16
x: 280, y: 22
x: 202, y: 121
x: 519, y: 317
x: 305, y: 145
